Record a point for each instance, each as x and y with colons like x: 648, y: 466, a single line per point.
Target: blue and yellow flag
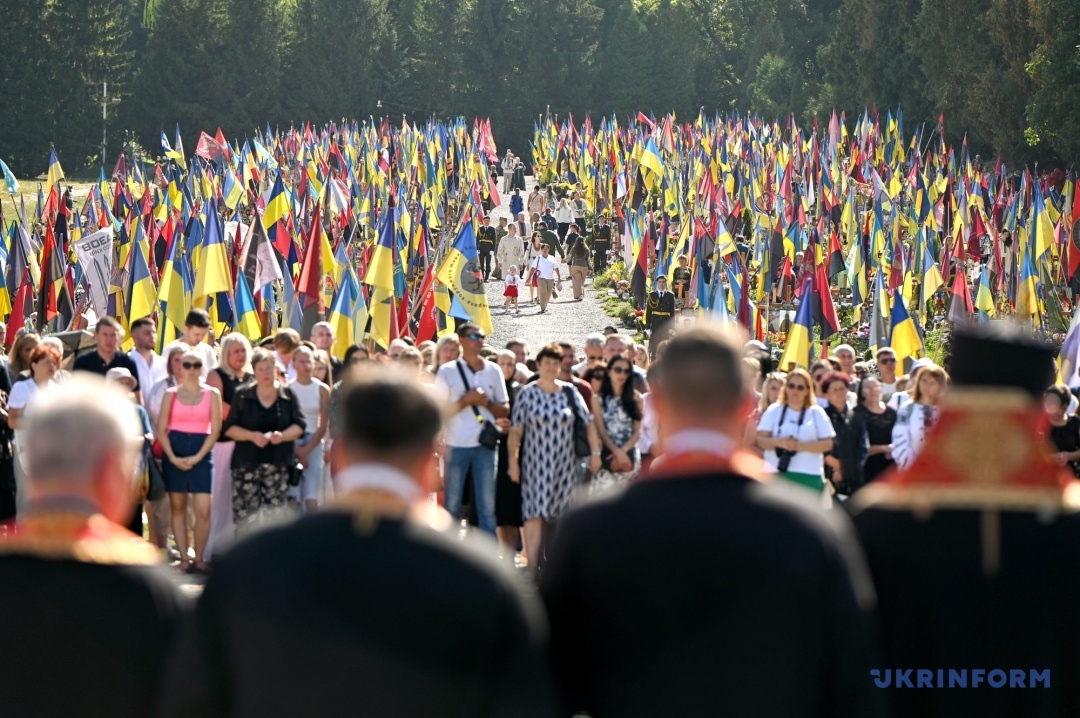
x: 461, y: 274
x: 904, y: 337
x: 247, y: 322
x: 800, y: 336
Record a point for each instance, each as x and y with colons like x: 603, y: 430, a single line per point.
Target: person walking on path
x: 541, y: 448
x: 546, y: 271
x: 577, y: 257
x: 476, y: 390
x: 513, y: 282
x: 511, y: 250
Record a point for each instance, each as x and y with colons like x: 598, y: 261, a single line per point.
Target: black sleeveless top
x: 229, y: 384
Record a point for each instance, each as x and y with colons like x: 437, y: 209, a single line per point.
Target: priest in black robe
x: 974, y: 549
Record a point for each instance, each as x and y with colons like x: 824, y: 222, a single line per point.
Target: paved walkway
x: 564, y: 319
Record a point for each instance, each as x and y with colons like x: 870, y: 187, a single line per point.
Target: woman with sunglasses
x: 617, y: 411
x: 187, y: 428
x: 795, y: 433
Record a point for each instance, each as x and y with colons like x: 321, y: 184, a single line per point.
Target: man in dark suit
x: 974, y: 548
x: 86, y: 618
x: 485, y: 245
x: 659, y: 312
x: 372, y: 607
x: 704, y: 590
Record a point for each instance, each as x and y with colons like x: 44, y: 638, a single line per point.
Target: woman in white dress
x: 511, y: 249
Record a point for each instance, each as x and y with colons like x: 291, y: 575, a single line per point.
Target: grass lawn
x: 28, y: 188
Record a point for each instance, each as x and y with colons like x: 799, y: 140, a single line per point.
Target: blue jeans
x: 482, y: 462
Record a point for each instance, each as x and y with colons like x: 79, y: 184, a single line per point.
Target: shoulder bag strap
x: 468, y: 388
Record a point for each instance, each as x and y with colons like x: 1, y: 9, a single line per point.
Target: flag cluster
x: 353, y: 223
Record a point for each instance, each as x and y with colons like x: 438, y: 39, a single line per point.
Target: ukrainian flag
x: 984, y: 300
x: 797, y: 347
x: 56, y: 173
x: 650, y: 160
x: 213, y: 275
x: 342, y: 310
x: 380, y: 276
x: 1027, y: 294
x: 460, y: 272
x: 247, y: 322
x: 141, y: 293
x: 904, y: 337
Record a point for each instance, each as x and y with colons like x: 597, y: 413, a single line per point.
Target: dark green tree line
x: 1006, y: 73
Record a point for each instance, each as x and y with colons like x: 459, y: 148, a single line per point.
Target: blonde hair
x: 227, y: 342
x: 809, y: 398
x: 775, y: 376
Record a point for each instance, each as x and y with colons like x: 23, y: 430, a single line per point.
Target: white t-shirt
x: 815, y: 426
x: 462, y: 429
x: 513, y: 280
x: 887, y: 390
x: 149, y: 373
x: 22, y: 393
x: 545, y: 267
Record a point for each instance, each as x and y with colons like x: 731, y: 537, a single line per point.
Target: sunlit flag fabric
x: 56, y: 173
x: 904, y: 339
x: 380, y: 276
x: 984, y: 300
x: 213, y: 274
x: 797, y: 349
x: 247, y: 322
x: 460, y: 272
x: 12, y: 184
x: 343, y: 315
x: 312, y: 303
x: 1027, y: 297
x: 141, y: 293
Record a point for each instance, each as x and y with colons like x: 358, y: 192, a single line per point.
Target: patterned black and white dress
x: 620, y: 427
x: 548, y: 464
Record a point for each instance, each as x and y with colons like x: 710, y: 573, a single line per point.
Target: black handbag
x: 296, y: 472
x: 581, y: 433
x: 489, y: 433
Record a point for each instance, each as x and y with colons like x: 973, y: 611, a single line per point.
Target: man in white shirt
x: 508, y: 165
x: 196, y: 329
x: 151, y: 366
x: 886, y: 364
x: 547, y: 273
x: 594, y: 353
x: 477, y: 392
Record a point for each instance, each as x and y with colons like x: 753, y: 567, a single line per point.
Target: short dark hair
x: 142, y: 322
x: 386, y: 412
x: 700, y: 371
x: 1059, y: 390
x: 197, y: 318
x: 107, y: 321
x: 550, y: 351
x: 466, y: 327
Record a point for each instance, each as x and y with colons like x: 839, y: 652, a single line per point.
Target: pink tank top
x: 193, y: 419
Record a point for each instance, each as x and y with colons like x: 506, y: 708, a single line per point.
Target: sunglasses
x: 797, y: 387
x: 192, y: 365
x: 475, y: 336
x: 619, y: 370
x: 887, y: 360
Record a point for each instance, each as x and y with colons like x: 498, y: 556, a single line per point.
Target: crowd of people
x: 522, y: 251
x: 693, y: 586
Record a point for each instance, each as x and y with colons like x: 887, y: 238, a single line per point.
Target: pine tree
x: 85, y: 40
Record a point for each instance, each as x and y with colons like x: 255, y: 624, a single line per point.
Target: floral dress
x: 548, y: 464
x: 620, y: 427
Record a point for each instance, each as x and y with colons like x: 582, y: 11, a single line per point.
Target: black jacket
x: 706, y: 596
x: 342, y: 615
